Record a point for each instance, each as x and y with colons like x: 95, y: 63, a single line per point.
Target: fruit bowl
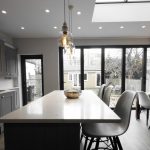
x: 72, y: 94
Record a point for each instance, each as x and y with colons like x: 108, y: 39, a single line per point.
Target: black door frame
x: 23, y: 75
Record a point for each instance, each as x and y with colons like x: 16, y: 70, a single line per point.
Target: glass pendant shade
x: 65, y: 40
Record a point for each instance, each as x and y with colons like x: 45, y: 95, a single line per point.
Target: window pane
x: 113, y: 63
x: 92, y: 67
x: 148, y: 71
x: 72, y: 70
x: 134, y: 58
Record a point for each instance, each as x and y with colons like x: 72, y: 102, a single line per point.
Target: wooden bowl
x: 72, y: 94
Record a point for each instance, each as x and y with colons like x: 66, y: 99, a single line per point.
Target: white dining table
x: 53, y: 121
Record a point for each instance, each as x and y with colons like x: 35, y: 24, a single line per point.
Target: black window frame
x: 102, y: 47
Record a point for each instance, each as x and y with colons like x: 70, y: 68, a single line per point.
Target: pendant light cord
x: 64, y: 11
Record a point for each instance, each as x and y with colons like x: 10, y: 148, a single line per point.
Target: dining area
x: 55, y: 121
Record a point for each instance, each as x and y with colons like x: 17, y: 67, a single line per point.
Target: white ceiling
x: 31, y: 15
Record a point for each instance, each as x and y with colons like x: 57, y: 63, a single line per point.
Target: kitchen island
x: 53, y: 121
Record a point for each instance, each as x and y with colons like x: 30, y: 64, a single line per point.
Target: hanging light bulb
x: 66, y: 39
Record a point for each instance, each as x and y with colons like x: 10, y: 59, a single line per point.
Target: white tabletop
x: 56, y: 108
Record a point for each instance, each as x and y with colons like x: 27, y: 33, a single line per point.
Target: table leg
x: 42, y: 136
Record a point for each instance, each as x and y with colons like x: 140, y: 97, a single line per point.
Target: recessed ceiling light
x: 47, y: 10
x: 143, y: 26
x: 78, y: 12
x: 121, y: 27
x: 22, y: 28
x: 100, y: 28
x: 79, y: 28
x: 55, y: 27
x: 4, y: 12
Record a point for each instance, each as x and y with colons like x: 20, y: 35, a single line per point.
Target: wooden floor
x: 136, y: 138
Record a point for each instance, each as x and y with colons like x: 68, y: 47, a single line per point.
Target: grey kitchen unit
x: 8, y: 61
x: 9, y: 102
x: 2, y: 59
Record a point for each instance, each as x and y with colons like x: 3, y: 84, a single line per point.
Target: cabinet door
x: 15, y: 102
x: 11, y: 62
x: 2, y: 59
x: 6, y: 103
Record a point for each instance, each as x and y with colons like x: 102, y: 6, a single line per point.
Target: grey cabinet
x: 11, y: 62
x: 6, y: 100
x: 2, y: 59
x: 16, y: 101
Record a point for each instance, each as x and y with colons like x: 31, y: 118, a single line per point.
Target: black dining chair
x: 112, y: 131
x: 144, y: 102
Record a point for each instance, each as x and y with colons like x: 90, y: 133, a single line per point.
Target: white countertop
x: 56, y: 108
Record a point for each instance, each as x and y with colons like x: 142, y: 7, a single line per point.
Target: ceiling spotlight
x: 79, y: 28
x: 22, y: 28
x: 47, y: 10
x: 100, y: 28
x: 4, y: 12
x: 143, y: 26
x: 121, y: 27
x: 79, y: 13
x: 55, y: 27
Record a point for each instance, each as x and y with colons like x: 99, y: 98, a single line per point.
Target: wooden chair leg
x: 138, y: 111
x: 97, y: 143
x: 112, y: 143
x: 90, y: 144
x: 81, y: 137
x: 119, y: 143
x: 115, y: 143
x: 85, y: 144
x: 147, y: 117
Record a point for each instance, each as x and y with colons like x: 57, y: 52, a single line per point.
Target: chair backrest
x: 143, y: 98
x: 107, y: 94
x: 123, y: 108
x: 101, y: 91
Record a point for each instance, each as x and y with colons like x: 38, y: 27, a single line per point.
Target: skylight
x: 122, y: 12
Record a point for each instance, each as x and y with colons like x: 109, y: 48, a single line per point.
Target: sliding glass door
x: 134, y: 65
x: 72, y: 70
x: 113, y: 72
x: 92, y: 69
x: 148, y: 71
x: 122, y: 66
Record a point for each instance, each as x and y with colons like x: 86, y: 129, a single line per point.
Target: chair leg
x: 115, y: 143
x: 147, y: 117
x: 81, y: 137
x: 111, y: 141
x: 90, y: 144
x: 85, y: 144
x: 97, y: 143
x: 119, y: 143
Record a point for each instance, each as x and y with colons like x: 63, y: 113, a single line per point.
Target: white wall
x: 49, y: 48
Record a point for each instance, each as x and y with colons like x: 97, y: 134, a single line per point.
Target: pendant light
x: 66, y: 37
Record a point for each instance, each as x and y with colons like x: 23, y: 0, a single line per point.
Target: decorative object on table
x: 65, y: 40
x: 72, y: 93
